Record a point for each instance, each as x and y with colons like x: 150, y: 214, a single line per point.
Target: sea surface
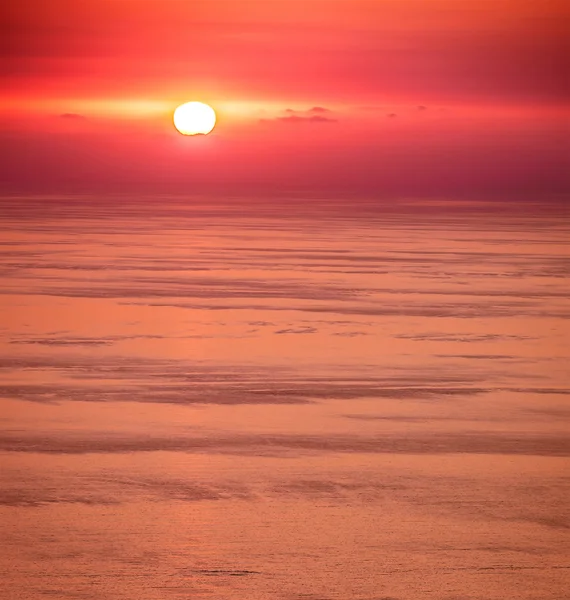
x: 295, y: 399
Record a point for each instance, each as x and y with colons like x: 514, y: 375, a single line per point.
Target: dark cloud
x: 305, y: 119
x: 460, y: 159
x: 316, y: 114
x: 72, y: 116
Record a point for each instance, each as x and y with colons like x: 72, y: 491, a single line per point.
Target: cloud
x: 311, y: 119
x: 391, y: 47
x: 72, y: 116
x: 451, y: 157
x: 316, y: 114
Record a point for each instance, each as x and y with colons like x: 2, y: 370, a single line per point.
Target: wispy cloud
x: 72, y: 116
x: 307, y: 119
x: 316, y: 114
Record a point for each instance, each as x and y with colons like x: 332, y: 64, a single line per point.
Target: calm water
x: 289, y: 401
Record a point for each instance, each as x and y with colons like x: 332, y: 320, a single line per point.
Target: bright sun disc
x: 194, y: 118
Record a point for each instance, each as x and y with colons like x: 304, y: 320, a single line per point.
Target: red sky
x: 426, y: 97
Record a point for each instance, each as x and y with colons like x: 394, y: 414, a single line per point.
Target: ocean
x: 286, y: 399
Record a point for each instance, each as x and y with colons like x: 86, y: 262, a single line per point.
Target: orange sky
x: 358, y: 96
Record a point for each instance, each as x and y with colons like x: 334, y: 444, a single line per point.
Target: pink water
x: 250, y: 401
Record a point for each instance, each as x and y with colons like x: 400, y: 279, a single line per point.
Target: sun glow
x: 194, y: 118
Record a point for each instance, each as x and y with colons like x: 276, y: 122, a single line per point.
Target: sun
x: 194, y: 118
